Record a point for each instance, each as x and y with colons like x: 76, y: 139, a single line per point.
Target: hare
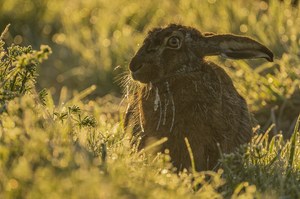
x: 181, y: 95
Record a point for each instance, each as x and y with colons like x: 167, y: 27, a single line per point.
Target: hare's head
x: 166, y: 51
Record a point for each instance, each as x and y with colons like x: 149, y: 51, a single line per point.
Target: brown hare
x: 180, y: 94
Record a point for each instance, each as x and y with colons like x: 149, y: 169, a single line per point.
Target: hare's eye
x: 174, y: 42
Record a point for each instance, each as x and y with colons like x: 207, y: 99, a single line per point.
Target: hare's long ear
x: 234, y: 47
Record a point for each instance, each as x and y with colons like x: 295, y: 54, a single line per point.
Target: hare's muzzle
x: 137, y: 71
x: 135, y: 64
x: 142, y: 72
x: 134, y: 68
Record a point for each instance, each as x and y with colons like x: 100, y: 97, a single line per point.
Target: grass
x: 50, y: 152
x: 62, y: 142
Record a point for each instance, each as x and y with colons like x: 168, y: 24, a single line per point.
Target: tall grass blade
x: 293, y: 143
x: 190, y: 154
x: 155, y: 144
x: 4, y: 32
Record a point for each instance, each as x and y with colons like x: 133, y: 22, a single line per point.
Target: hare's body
x: 192, y: 99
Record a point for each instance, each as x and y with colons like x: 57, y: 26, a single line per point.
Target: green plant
x: 18, y: 68
x: 270, y: 164
x: 73, y: 147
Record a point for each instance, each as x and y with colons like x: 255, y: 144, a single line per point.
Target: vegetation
x: 59, y: 144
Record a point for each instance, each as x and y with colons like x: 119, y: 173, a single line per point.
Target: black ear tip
x: 271, y: 57
x: 268, y: 53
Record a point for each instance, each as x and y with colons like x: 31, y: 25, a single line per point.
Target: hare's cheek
x: 146, y: 73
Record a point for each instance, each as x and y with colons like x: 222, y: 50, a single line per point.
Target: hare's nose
x: 135, y: 64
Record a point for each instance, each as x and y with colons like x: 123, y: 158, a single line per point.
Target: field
x: 61, y: 107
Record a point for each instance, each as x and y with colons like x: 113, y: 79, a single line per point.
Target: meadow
x: 61, y: 107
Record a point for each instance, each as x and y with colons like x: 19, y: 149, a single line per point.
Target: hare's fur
x: 189, y: 98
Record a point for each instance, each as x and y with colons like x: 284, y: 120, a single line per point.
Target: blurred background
x: 93, y: 41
